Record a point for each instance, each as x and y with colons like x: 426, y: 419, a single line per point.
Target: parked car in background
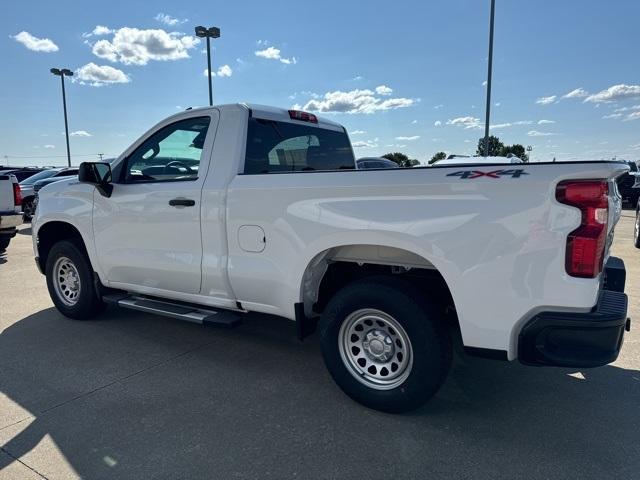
x: 253, y: 208
x: 375, y: 162
x: 10, y: 213
x: 629, y: 184
x: 27, y: 187
x: 463, y: 159
x: 22, y: 173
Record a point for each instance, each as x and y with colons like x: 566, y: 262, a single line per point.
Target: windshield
x: 38, y: 176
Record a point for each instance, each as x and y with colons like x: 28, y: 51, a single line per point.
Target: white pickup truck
x: 10, y: 209
x: 251, y: 208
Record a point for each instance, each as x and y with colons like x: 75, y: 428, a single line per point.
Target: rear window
x: 287, y: 147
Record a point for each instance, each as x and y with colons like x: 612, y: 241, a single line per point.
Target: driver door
x: 147, y: 234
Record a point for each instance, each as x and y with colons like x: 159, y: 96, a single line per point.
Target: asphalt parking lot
x: 132, y: 395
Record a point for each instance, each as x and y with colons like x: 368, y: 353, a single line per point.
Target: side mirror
x: 98, y: 174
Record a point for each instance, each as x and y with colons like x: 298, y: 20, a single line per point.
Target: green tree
x: 495, y: 146
x: 401, y: 159
x: 436, y: 157
x: 515, y: 149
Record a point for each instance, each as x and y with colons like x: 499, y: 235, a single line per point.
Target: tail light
x: 17, y: 195
x: 586, y: 244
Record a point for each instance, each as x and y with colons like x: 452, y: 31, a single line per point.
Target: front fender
x: 69, y: 202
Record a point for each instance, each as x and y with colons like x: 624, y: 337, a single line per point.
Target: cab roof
x: 269, y: 113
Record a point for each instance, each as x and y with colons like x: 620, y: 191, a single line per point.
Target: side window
x: 172, y: 153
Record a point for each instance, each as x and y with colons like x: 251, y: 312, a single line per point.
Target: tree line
x: 496, y: 149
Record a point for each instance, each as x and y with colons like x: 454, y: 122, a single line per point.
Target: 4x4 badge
x: 471, y: 174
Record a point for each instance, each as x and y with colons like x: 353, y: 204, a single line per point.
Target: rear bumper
x: 590, y: 339
x: 9, y: 221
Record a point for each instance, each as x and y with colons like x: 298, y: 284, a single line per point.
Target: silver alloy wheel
x: 375, y: 349
x: 66, y: 281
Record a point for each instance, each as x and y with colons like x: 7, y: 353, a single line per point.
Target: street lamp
x: 489, y: 68
x: 529, y: 149
x: 61, y: 72
x: 208, y: 33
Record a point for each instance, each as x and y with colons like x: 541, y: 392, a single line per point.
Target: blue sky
x: 401, y: 76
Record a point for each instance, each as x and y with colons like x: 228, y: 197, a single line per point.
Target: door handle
x: 182, y: 202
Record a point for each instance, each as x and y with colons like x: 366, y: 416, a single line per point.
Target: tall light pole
x: 208, y: 33
x: 489, y: 70
x: 529, y: 149
x: 61, y: 72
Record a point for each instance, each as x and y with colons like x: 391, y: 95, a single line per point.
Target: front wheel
x: 383, y: 345
x: 70, y: 281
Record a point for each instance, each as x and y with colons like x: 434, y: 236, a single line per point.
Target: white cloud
x: 612, y: 115
x: 138, y: 47
x: 577, y: 93
x: 414, y: 122
x: 437, y: 123
x: 49, y: 146
x: 272, y: 53
x: 466, y: 122
x: 535, y: 133
x: 410, y: 139
x: 34, y: 43
x: 497, y: 104
x: 438, y: 106
x: 223, y: 71
x: 546, y: 100
x: 99, y: 75
x: 484, y: 84
x: 510, y: 124
x: 632, y: 116
x: 355, y: 101
x: 614, y: 93
x: 169, y: 20
x: 358, y: 132
x: 545, y: 122
x: 364, y: 144
x: 80, y: 133
x: 384, y: 90
x: 98, y: 31
x: 626, y: 109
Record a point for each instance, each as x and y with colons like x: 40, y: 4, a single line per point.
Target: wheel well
x: 51, y: 233
x: 334, y: 269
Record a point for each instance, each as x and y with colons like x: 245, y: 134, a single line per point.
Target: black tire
x: 4, y: 242
x: 27, y: 210
x: 88, y: 304
x: 636, y: 228
x: 430, y: 342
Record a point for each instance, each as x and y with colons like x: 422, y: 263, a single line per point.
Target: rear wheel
x: 70, y: 281
x: 383, y: 345
x: 28, y: 210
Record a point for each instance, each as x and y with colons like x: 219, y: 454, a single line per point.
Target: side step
x: 181, y: 311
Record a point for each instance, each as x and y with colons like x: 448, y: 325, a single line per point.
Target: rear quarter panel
x: 498, y: 242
